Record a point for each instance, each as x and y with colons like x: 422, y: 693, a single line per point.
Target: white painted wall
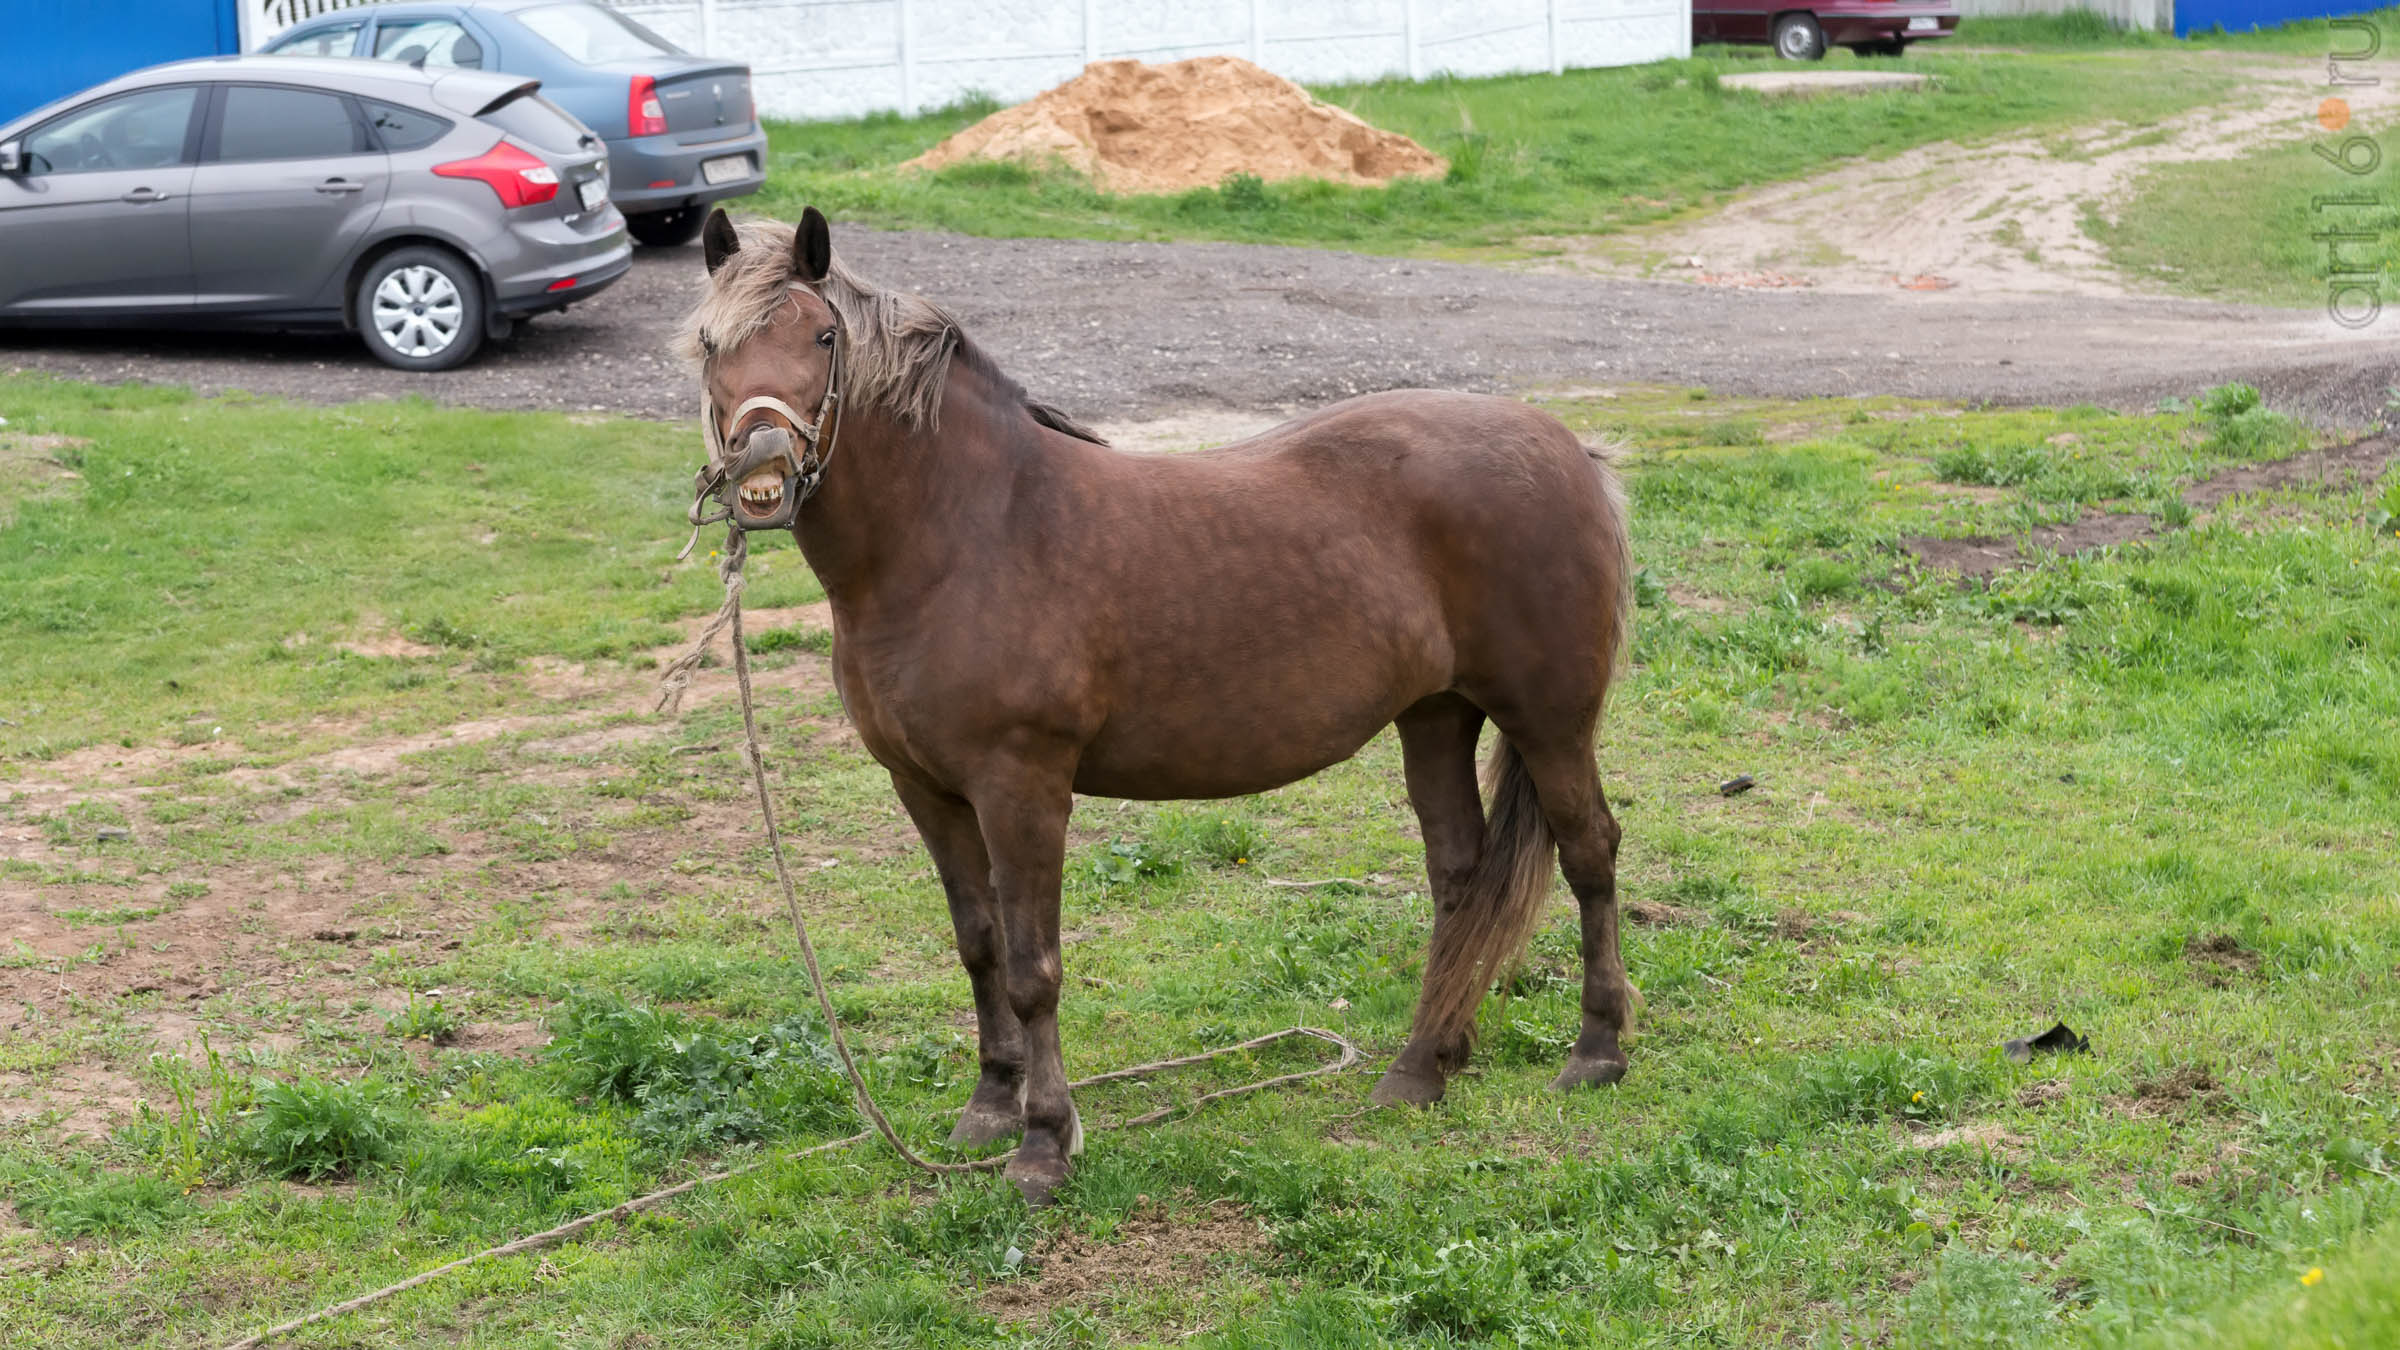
x: 844, y: 58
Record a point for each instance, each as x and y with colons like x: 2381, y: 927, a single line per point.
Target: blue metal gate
x: 56, y: 47
x: 2240, y: 16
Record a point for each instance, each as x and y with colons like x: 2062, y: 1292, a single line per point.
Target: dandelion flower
x: 1913, y: 1100
x: 2314, y: 1277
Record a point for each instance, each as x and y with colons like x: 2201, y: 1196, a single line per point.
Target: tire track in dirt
x: 1999, y: 217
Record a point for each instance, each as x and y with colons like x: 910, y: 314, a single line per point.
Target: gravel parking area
x: 1113, y: 331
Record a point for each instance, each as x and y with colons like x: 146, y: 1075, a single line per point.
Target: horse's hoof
x: 983, y: 1125
x: 1037, y: 1181
x: 1401, y: 1087
x: 1582, y: 1072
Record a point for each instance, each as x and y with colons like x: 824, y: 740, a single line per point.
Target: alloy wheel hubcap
x: 418, y: 310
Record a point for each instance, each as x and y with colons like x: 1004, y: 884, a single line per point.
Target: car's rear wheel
x: 667, y: 229
x: 420, y: 308
x: 1881, y: 47
x: 1798, y: 38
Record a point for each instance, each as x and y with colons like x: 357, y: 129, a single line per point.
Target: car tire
x: 1884, y: 47
x: 667, y: 229
x: 1799, y: 38
x: 420, y: 308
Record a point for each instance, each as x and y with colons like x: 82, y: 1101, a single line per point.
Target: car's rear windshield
x: 591, y: 35
x: 539, y: 123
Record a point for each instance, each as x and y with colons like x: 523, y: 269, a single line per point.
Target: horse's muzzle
x: 761, y: 490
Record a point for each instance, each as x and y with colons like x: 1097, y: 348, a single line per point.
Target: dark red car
x: 1868, y: 27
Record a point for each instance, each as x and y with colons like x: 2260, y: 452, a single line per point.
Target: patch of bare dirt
x: 1151, y: 1249
x: 1983, y: 556
x: 1134, y: 127
x: 1684, y: 597
x: 2360, y: 461
x: 31, y: 464
x: 86, y: 1100
x: 502, y: 1038
x: 2219, y: 958
x: 1989, y: 1135
x: 2170, y: 1092
x: 1658, y: 914
x: 2034, y: 1096
x: 1798, y: 925
x: 1992, y: 218
x: 377, y: 638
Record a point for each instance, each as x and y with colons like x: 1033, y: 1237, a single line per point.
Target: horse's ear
x: 719, y: 240
x: 812, y: 247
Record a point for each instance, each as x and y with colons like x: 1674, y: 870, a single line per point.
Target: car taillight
x: 519, y: 178
x: 644, y: 114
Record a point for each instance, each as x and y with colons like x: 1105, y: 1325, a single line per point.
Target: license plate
x: 1923, y: 22
x: 725, y: 168
x: 593, y: 191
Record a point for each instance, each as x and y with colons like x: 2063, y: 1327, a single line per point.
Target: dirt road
x: 1999, y: 218
x: 1116, y: 331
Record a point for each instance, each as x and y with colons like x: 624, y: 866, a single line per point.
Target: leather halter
x: 722, y: 477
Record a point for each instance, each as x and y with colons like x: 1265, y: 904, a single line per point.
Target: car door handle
x: 340, y: 185
x: 144, y: 196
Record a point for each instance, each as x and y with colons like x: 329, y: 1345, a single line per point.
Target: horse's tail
x: 1498, y: 909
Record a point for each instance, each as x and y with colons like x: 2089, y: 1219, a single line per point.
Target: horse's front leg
x: 1023, y: 812
x: 952, y: 836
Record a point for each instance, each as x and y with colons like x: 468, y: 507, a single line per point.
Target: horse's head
x: 780, y: 354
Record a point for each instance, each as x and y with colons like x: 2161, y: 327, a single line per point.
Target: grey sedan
x: 682, y: 130
x: 426, y: 210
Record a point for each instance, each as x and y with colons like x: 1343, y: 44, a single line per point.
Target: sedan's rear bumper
x: 1881, y: 23
x: 663, y: 173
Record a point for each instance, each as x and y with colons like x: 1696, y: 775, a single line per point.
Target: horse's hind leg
x: 1437, y: 748
x: 1568, y: 783
x: 997, y: 1110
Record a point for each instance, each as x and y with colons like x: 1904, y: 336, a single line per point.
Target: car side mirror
x: 12, y: 158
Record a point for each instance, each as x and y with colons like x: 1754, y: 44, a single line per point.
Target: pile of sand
x: 1142, y: 128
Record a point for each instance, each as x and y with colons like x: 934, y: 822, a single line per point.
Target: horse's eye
x: 708, y: 349
x: 825, y: 339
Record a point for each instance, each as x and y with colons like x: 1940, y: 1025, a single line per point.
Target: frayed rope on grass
x: 673, y: 682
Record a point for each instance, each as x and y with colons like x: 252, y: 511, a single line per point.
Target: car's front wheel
x: 667, y: 229
x: 1799, y: 38
x: 420, y: 308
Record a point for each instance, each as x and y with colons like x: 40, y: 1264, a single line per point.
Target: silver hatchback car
x: 426, y: 210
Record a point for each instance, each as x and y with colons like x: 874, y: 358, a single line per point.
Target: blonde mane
x: 899, y: 346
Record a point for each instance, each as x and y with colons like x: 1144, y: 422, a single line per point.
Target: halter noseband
x: 722, y: 477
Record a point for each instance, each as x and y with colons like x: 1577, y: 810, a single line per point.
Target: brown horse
x: 1022, y: 613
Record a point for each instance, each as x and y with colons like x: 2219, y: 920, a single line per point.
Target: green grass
x: 2351, y: 1301
x: 2150, y: 793
x: 2246, y: 230
x: 221, y: 559
x: 1582, y: 153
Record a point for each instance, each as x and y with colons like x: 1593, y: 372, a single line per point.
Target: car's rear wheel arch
x: 384, y: 248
